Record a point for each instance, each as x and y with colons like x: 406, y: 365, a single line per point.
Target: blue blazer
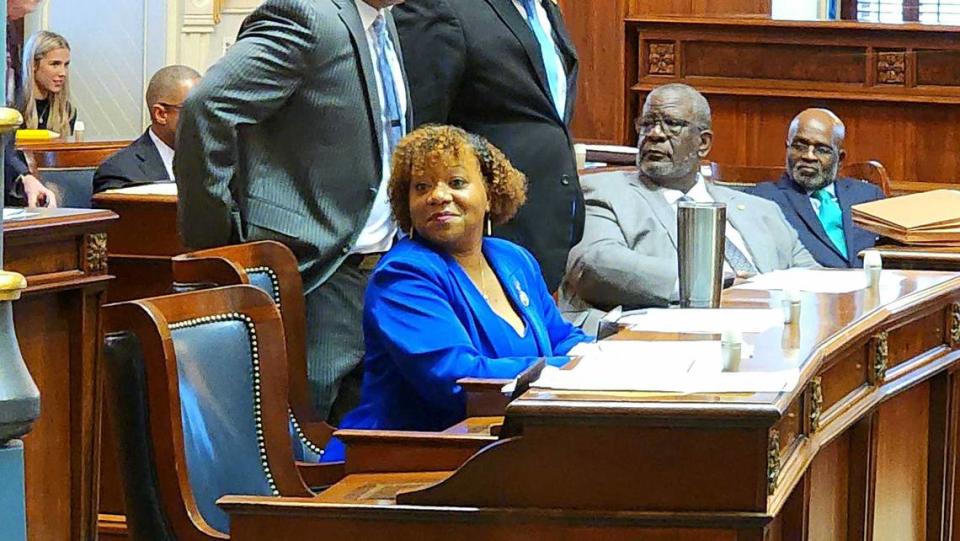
x: 798, y: 210
x: 426, y: 325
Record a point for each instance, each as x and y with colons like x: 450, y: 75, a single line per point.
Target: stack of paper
x: 922, y: 218
x: 704, y: 320
x: 817, y: 280
x: 661, y: 366
x: 153, y: 188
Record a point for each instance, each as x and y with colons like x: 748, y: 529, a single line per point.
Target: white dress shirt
x: 377, y: 234
x: 166, y: 154
x: 700, y: 194
x: 548, y: 29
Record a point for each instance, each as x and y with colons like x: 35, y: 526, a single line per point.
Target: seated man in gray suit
x: 150, y: 157
x: 628, y: 255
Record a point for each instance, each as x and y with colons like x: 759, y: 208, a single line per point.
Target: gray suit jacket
x: 281, y: 138
x: 628, y: 255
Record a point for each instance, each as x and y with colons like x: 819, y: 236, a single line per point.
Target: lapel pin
x: 741, y: 207
x: 521, y: 294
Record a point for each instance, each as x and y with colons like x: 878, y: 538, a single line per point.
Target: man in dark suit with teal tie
x: 816, y: 202
x: 288, y: 138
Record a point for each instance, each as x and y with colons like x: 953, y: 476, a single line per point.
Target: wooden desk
x: 920, y: 258
x: 62, y: 252
x: 56, y: 154
x: 863, y: 447
x: 142, y: 243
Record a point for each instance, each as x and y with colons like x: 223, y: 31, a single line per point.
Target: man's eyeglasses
x: 668, y: 125
x: 821, y: 151
x: 176, y: 106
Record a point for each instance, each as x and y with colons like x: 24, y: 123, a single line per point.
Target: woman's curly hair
x: 506, y: 186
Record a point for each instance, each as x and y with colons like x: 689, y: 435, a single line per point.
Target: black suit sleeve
x: 434, y: 50
x: 14, y: 166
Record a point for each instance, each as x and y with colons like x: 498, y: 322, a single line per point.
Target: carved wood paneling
x: 892, y: 68
x: 661, y: 58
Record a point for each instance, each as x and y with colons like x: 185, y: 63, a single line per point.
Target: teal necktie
x: 832, y: 219
x: 548, y: 51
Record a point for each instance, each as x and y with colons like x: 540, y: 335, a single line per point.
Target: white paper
x: 612, y: 148
x: 681, y: 367
x: 17, y: 213
x: 704, y: 320
x: 154, y: 188
x: 817, y: 281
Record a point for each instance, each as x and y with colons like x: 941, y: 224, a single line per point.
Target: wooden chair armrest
x: 485, y: 397
x: 400, y: 451
x: 318, y: 476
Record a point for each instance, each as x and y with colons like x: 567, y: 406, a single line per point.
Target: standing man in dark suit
x: 506, y: 70
x: 150, y: 157
x: 288, y: 137
x: 816, y: 202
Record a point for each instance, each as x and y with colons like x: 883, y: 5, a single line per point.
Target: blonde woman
x: 45, y: 92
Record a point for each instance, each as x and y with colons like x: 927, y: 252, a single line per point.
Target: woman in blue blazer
x: 447, y: 302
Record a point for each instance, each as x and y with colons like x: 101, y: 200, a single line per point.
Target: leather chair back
x: 212, y: 417
x: 272, y: 267
x: 73, y: 186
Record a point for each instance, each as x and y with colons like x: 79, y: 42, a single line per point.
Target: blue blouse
x: 426, y: 325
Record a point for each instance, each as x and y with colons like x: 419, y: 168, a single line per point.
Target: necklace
x: 483, y: 281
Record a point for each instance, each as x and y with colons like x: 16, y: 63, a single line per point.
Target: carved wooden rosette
x: 96, y: 257
x: 816, y: 403
x: 955, y: 325
x: 878, y: 369
x: 892, y: 68
x: 661, y: 58
x: 773, y: 461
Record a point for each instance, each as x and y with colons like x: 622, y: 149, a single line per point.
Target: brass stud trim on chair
x: 255, y: 362
x: 314, y: 448
x: 274, y: 280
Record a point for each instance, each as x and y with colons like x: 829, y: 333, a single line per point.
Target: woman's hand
x: 37, y: 194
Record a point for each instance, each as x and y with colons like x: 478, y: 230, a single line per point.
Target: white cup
x: 791, y: 306
x: 78, y: 128
x: 580, y: 150
x: 731, y: 348
x: 872, y: 266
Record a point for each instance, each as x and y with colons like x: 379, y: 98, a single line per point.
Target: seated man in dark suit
x: 150, y: 157
x: 816, y: 202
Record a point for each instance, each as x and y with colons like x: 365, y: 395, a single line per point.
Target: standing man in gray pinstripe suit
x: 288, y: 137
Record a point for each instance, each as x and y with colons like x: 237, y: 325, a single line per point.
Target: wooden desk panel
x: 62, y: 252
x: 142, y: 243
x: 745, y: 466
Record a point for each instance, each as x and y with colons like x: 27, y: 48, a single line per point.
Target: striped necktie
x: 391, y: 104
x: 831, y: 217
x: 548, y: 51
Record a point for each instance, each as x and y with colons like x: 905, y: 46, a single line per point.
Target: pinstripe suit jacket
x: 281, y: 138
